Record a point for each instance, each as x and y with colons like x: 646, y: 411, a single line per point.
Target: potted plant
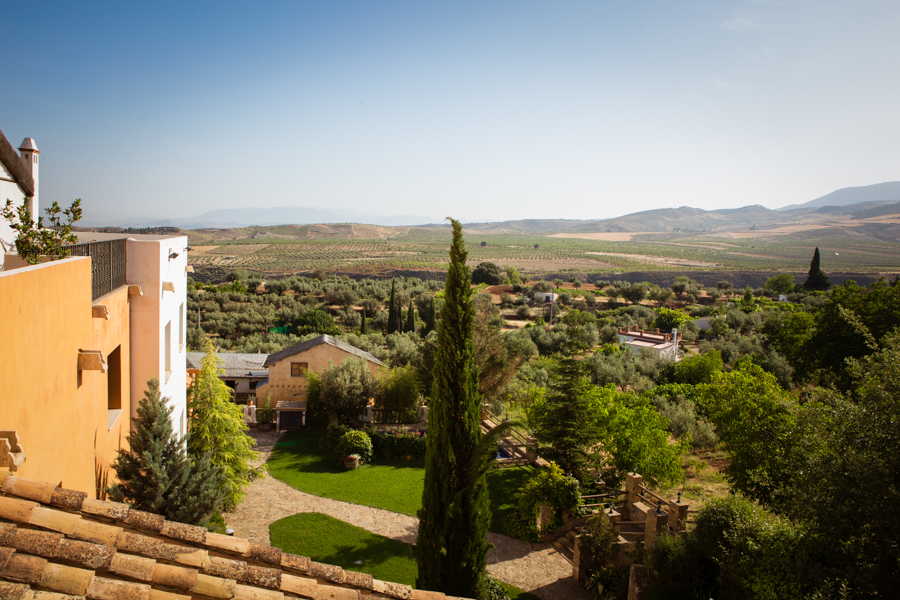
x: 351, y: 462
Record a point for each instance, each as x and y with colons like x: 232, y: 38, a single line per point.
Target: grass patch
x: 332, y: 541
x: 388, y: 484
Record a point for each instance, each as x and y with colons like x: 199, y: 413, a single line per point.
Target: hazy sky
x: 479, y: 110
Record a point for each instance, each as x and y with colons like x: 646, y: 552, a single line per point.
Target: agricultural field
x: 369, y: 250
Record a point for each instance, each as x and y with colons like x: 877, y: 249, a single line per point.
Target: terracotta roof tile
x: 426, y: 595
x: 360, y: 580
x: 327, y: 572
x: 304, y: 586
x: 14, y: 591
x: 103, y: 508
x: 394, y: 590
x: 215, y: 587
x: 296, y: 562
x: 32, y: 541
x: 227, y: 568
x: 5, y: 553
x: 65, y: 579
x: 227, y: 542
x: 102, y: 588
x: 330, y: 592
x: 39, y: 491
x: 246, y: 592
x: 187, y: 533
x: 24, y: 569
x: 6, y: 530
x: 85, y: 554
x: 266, y: 554
x: 15, y: 509
x: 98, y: 533
x: 176, y: 577
x: 144, y: 520
x: 129, y: 565
x: 264, y: 577
x: 161, y: 595
x: 68, y: 498
x: 57, y: 520
x: 156, y: 548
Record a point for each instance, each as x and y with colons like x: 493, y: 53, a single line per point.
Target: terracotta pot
x: 351, y: 464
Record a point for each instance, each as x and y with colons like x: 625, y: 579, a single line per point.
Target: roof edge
x: 13, y: 163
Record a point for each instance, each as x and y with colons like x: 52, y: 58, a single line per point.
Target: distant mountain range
x: 859, y: 202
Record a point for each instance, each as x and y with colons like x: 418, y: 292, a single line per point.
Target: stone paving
x: 535, y: 568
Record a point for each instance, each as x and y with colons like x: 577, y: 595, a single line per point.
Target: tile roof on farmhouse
x: 322, y: 339
x: 236, y: 364
x: 58, y: 544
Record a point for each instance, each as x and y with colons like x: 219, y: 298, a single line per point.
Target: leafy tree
x: 238, y: 274
x: 667, y: 319
x: 724, y: 286
x: 34, y: 241
x: 782, y: 283
x: 489, y: 273
x: 512, y: 275
x: 400, y: 390
x: 634, y: 293
x: 157, y: 476
x: 453, y: 521
x: 699, y: 368
x: 315, y: 322
x: 816, y: 279
x: 217, y: 427
x: 345, y: 389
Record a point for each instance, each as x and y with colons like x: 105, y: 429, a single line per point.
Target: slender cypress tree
x: 816, y: 279
x: 364, y: 329
x: 451, y: 549
x: 410, y: 319
x: 393, y: 317
x: 157, y: 476
x: 431, y: 318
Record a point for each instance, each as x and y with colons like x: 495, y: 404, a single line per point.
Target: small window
x: 298, y: 369
x: 253, y: 385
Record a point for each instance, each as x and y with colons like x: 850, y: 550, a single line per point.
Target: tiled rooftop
x: 322, y: 339
x: 236, y: 364
x: 58, y: 544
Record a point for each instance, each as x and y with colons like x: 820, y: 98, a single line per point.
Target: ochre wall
x: 60, y: 413
x: 282, y: 386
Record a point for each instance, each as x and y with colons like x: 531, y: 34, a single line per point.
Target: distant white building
x: 541, y: 297
x: 18, y: 181
x: 661, y: 343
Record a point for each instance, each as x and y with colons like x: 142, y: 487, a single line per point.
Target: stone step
x: 565, y: 548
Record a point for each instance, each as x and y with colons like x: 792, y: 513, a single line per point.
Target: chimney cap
x: 28, y: 144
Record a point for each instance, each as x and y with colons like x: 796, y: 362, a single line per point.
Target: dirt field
x: 662, y: 260
x: 610, y: 236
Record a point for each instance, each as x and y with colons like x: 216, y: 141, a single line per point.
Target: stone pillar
x: 484, y: 411
x: 678, y: 512
x: 581, y: 562
x: 650, y: 527
x: 545, y: 517
x: 633, y: 483
x: 531, y: 449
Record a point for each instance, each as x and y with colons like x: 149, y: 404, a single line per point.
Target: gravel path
x: 535, y: 568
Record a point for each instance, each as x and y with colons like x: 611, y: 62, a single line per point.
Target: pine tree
x: 157, y: 476
x: 217, y: 426
x: 410, y: 319
x: 451, y: 550
x: 393, y: 317
x: 816, y: 279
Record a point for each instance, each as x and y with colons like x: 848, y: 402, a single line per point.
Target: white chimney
x: 29, y: 153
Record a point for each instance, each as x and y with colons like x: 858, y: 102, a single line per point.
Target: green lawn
x: 389, y: 484
x: 332, y: 541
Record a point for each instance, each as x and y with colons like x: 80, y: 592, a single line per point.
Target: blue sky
x: 478, y: 110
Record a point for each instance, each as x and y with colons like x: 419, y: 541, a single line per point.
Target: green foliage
x: 316, y: 322
x: 344, y: 389
x: 34, y: 241
x: 606, y: 580
x: 157, y: 476
x: 333, y: 435
x: 492, y: 589
x: 782, y: 283
x: 217, y: 427
x: 265, y: 414
x: 489, y: 273
x: 451, y: 553
x: 399, y: 390
x: 238, y: 274
x: 667, y: 319
x: 355, y: 442
x: 698, y: 368
x: 396, y: 445
x: 549, y: 487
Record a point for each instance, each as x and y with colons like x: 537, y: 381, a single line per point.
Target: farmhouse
x: 241, y: 372
x: 285, y: 387
x: 660, y: 343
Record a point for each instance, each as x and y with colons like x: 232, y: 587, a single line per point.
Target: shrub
x: 549, y: 487
x: 355, y: 442
x: 265, y: 414
x: 333, y: 436
x: 399, y: 391
x: 393, y: 445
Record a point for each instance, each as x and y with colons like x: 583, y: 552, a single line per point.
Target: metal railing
x: 107, y: 264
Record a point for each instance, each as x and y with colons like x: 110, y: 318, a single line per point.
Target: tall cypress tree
x: 451, y: 550
x: 410, y: 319
x: 364, y: 329
x: 157, y: 476
x: 430, y: 319
x: 816, y: 279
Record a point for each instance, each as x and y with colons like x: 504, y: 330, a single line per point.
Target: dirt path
x: 535, y: 568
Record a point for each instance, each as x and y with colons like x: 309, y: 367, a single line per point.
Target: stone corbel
x: 12, y: 455
x: 91, y: 360
x: 99, y: 311
x: 168, y: 286
x: 135, y: 290
x: 189, y: 269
